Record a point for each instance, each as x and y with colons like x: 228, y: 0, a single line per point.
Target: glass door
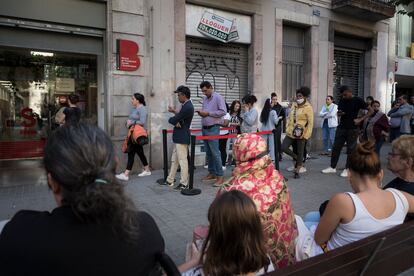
x: 34, y: 86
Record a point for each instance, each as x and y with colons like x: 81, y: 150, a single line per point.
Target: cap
x: 183, y: 89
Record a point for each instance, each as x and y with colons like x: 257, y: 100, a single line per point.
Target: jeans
x: 279, y: 140
x: 343, y: 135
x: 298, y: 157
x: 312, y: 219
x: 394, y: 133
x: 328, y: 136
x: 378, y: 145
x: 270, y: 145
x: 179, y: 157
x: 213, y: 152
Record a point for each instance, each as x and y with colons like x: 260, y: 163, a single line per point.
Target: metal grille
x: 224, y: 65
x: 349, y: 70
x: 292, y: 61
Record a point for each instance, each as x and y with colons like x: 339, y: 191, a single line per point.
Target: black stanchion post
x: 276, y: 147
x: 191, y: 191
x: 165, y: 156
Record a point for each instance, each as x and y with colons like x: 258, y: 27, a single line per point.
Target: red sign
x: 127, y: 55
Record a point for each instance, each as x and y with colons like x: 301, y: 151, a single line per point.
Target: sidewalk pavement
x: 175, y: 214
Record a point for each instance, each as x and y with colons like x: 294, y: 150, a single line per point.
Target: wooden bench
x: 386, y: 253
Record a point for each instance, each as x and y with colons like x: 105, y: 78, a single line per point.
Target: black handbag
x: 297, y: 129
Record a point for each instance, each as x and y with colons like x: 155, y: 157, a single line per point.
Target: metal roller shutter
x: 349, y: 70
x: 224, y: 65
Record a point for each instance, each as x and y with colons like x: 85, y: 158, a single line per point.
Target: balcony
x: 371, y: 10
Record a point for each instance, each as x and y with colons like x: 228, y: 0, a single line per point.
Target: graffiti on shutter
x: 224, y: 65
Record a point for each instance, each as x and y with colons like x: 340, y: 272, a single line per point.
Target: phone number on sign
x: 212, y: 32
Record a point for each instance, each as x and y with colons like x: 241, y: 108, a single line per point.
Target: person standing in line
x: 405, y: 112
x: 412, y: 117
x: 214, y: 108
x: 395, y: 122
x: 299, y: 129
x: 138, y: 116
x: 329, y: 123
x: 375, y: 127
x: 250, y: 115
x: 269, y: 119
x: 281, y: 113
x: 223, y: 142
x: 181, y: 137
x: 235, y: 121
x: 73, y: 112
x: 347, y: 131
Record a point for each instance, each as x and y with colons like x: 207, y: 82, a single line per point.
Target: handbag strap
x: 294, y: 116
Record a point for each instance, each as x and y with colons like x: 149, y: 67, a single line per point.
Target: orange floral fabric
x: 256, y: 177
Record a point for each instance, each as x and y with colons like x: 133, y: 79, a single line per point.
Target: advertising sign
x: 65, y: 85
x: 127, y: 55
x: 215, y: 26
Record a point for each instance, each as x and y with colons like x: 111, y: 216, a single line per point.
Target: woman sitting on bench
x: 350, y: 217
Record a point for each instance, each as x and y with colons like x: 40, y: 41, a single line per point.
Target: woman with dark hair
x: 299, y: 128
x: 375, y: 127
x: 72, y: 112
x: 349, y: 217
x: 223, y: 142
x: 269, y: 120
x: 235, y: 118
x: 250, y: 115
x: 95, y: 228
x: 138, y: 116
x: 235, y: 244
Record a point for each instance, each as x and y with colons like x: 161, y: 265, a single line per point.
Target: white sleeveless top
x: 364, y: 224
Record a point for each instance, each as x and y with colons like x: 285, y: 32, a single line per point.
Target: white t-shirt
x: 225, y: 117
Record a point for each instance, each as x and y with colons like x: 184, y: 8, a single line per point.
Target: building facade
x: 51, y: 48
x: 404, y: 54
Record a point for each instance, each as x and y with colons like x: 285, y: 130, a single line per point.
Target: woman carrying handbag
x: 299, y: 128
x: 137, y: 118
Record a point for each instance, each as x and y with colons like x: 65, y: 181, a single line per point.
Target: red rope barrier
x: 200, y: 130
x: 215, y: 137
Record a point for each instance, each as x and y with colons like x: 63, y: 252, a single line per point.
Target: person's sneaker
x: 122, y: 176
x: 167, y: 183
x: 344, y: 173
x: 144, y: 173
x: 329, y: 170
x: 224, y: 168
x: 205, y: 166
x: 291, y: 169
x: 180, y: 187
x: 302, y: 170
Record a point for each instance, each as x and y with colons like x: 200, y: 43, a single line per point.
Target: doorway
x: 34, y: 85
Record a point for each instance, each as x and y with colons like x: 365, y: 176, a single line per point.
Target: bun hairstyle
x: 139, y: 97
x: 364, y: 160
x: 82, y: 160
x: 249, y: 99
x: 73, y: 98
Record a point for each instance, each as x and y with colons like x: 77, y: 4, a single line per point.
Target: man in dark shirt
x: 181, y: 137
x: 401, y: 164
x: 347, y: 131
x: 280, y: 111
x: 72, y: 113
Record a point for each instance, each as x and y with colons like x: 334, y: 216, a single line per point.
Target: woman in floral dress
x: 256, y: 176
